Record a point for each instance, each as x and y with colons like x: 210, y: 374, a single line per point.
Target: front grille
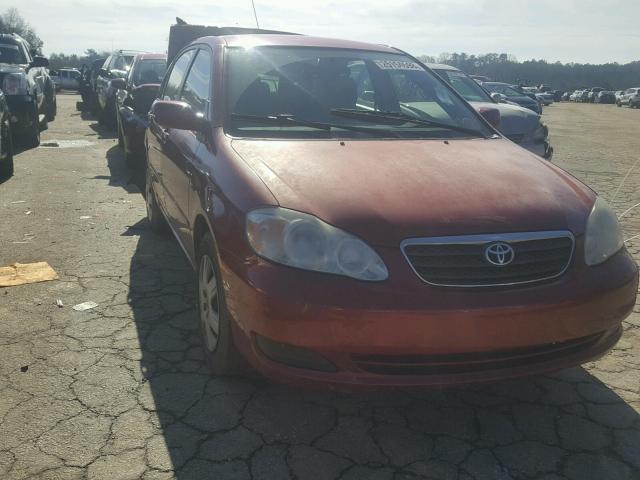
x: 462, y: 261
x: 516, y: 138
x: 474, y: 362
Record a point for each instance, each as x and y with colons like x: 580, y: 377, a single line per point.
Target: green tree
x: 12, y: 22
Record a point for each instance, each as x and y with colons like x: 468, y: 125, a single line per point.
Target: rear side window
x: 149, y: 71
x: 196, y: 91
x: 176, y: 76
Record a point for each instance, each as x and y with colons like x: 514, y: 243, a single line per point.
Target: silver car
x: 518, y: 124
x: 631, y: 97
x: 67, y: 79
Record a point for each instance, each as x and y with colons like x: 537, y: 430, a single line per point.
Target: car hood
x: 514, y: 119
x: 387, y: 191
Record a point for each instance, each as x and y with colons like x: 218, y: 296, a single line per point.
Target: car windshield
x: 10, y: 53
x: 464, y: 85
x: 506, y: 90
x: 149, y: 71
x: 303, y: 92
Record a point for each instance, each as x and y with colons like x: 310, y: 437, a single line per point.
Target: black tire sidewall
x: 6, y: 167
x: 225, y: 359
x: 157, y: 221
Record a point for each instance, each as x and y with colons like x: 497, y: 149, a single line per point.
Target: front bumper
x: 133, y: 126
x: 21, y: 108
x: 542, y: 149
x: 375, y: 334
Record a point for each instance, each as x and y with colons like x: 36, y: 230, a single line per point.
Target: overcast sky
x: 595, y: 31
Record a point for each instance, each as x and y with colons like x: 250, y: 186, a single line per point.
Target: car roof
x: 293, y: 41
x: 11, y: 38
x: 497, y: 83
x: 442, y: 66
x: 151, y: 56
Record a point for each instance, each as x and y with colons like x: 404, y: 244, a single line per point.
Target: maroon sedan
x: 353, y: 221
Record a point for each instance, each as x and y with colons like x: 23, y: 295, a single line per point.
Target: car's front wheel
x: 220, y: 351
x: 6, y: 149
x: 154, y: 214
x: 52, y: 108
x: 31, y: 138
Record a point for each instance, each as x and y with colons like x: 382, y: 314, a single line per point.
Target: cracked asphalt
x: 121, y: 391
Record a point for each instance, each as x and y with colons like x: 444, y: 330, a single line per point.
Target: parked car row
x: 519, y: 124
x: 27, y: 98
x: 629, y: 97
x: 352, y: 219
x: 119, y: 90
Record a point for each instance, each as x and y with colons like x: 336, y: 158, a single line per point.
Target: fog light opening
x: 293, y: 356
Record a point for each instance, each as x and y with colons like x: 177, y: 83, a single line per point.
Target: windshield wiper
x: 289, y: 119
x: 400, y: 118
x: 282, y: 119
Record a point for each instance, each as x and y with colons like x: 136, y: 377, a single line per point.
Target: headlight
x: 15, y: 84
x: 303, y: 241
x: 603, y: 237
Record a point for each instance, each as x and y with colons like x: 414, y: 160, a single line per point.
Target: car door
x: 186, y: 144
x: 102, y: 82
x: 159, y: 145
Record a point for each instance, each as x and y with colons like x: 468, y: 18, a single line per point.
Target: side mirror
x: 491, y: 115
x: 498, y: 97
x: 39, y: 62
x: 119, y: 83
x: 144, y: 96
x: 178, y: 115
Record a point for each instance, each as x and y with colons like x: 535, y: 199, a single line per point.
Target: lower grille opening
x: 474, y: 362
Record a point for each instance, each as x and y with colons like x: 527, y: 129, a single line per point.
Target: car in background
x: 28, y: 89
x: 6, y: 140
x: 546, y: 98
x: 575, y: 95
x: 67, y: 79
x: 507, y: 92
x: 518, y: 124
x: 87, y: 87
x: 584, y: 96
x: 566, y: 96
x: 134, y: 97
x: 351, y: 220
x: 557, y: 95
x: 116, y: 65
x: 593, y: 93
x: 606, y: 97
x: 619, y: 94
x: 630, y: 97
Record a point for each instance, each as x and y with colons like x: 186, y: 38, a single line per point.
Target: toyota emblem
x: 499, y: 254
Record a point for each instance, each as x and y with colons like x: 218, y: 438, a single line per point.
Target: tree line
x: 561, y: 76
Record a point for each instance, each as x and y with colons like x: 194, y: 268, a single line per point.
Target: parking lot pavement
x: 120, y: 391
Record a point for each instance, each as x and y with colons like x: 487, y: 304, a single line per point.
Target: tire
x: 52, y: 109
x: 6, y: 150
x: 31, y: 138
x: 154, y: 215
x: 120, y: 135
x: 221, y: 353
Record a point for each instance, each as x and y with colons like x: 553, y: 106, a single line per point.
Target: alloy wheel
x: 209, y: 302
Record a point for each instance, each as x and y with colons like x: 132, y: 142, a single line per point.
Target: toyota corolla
x: 352, y: 220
